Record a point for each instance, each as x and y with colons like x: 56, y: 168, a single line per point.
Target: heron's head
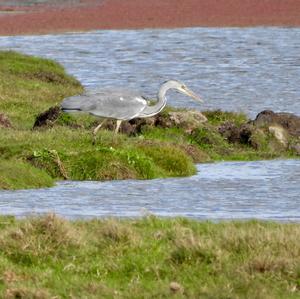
x: 182, y: 88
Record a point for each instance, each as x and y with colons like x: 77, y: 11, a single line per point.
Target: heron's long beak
x: 190, y: 93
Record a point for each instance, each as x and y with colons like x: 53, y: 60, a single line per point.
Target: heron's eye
x: 183, y: 87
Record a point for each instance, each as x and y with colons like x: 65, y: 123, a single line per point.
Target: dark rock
x: 4, y: 121
x: 288, y: 121
x: 246, y: 132
x: 48, y: 117
x: 254, y: 133
x: 280, y: 134
x: 131, y: 127
x: 235, y: 134
x: 163, y: 121
x: 139, y: 123
x: 230, y: 131
x: 187, y: 120
x: 127, y: 128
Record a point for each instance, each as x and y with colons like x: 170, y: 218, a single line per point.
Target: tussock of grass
x: 217, y: 117
x: 188, y: 248
x: 26, y: 293
x: 169, y: 158
x: 38, y: 238
x: 115, y: 231
x: 151, y: 257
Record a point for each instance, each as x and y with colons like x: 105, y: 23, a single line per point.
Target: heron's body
x: 121, y: 104
x: 115, y: 104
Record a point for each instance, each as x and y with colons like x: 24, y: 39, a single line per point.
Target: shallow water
x: 230, y: 190
x: 249, y: 69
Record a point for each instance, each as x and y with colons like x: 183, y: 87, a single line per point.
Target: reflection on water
x: 246, y: 70
x: 229, y: 190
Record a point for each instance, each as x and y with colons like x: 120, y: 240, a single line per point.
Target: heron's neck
x: 159, y: 105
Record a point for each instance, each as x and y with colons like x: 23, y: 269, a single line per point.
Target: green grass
x: 218, y: 117
x: 16, y: 174
x: 49, y: 257
x: 64, y: 149
x: 30, y: 85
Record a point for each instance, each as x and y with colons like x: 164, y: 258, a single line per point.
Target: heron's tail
x: 72, y: 104
x: 67, y: 110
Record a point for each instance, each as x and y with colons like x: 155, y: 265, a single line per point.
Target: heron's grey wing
x: 109, y: 104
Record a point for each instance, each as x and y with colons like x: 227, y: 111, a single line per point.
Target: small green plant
x: 217, y: 117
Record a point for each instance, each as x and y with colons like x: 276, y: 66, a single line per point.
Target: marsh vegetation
x: 168, y: 145
x: 50, y: 257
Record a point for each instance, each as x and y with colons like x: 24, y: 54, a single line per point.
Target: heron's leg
x: 118, y: 126
x: 96, y: 130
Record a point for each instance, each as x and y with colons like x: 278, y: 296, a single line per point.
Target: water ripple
x: 249, y: 69
x: 228, y: 190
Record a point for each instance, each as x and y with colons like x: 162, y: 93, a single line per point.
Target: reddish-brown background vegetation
x: 120, y: 14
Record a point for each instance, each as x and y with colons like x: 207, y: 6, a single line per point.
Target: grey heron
x: 122, y: 104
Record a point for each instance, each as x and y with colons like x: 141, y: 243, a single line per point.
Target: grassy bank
x: 63, y: 148
x: 50, y: 257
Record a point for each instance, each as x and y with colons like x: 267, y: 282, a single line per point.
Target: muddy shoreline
x: 40, y: 17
